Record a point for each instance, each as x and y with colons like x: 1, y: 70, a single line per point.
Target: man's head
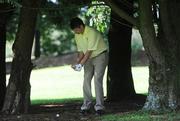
x: 77, y: 25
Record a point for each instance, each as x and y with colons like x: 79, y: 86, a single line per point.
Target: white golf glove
x: 77, y: 67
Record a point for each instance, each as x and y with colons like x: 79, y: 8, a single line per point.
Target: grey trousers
x: 94, y: 67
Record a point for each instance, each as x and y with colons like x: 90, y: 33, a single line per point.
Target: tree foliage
x: 53, y: 20
x: 53, y: 23
x: 99, y: 16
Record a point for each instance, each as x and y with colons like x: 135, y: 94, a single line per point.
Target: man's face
x: 79, y: 30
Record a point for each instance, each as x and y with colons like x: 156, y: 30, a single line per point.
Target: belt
x: 103, y: 52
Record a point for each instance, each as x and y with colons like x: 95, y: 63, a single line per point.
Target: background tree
x: 2, y: 56
x: 17, y: 97
x: 119, y: 80
x: 159, y: 28
x: 5, y: 13
x: 56, y: 37
x: 53, y: 26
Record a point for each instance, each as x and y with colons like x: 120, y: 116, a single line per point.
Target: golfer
x: 93, y: 56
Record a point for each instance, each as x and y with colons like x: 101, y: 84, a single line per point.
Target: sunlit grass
x: 140, y: 78
x: 56, y: 83
x: 62, y: 82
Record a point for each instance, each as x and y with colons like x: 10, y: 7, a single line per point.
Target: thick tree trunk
x: 3, y: 23
x: 17, y: 98
x: 119, y: 80
x: 162, y: 51
x: 2, y: 57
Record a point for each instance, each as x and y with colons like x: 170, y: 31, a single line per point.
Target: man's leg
x: 87, y: 94
x: 100, y: 63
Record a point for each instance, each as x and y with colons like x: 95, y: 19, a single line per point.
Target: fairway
x: 63, y: 82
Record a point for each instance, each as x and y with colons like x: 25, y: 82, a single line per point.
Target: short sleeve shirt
x: 92, y: 40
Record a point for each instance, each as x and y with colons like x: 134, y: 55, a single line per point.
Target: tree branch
x: 121, y: 13
x: 127, y: 4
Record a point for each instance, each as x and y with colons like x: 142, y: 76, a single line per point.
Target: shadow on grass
x: 55, y: 105
x: 56, y: 101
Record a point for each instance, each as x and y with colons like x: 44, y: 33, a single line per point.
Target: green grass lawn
x: 62, y: 82
x: 142, y: 116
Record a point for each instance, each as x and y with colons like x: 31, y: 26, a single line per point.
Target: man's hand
x: 77, y: 67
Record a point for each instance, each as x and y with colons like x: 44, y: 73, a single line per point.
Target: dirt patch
x: 70, y: 111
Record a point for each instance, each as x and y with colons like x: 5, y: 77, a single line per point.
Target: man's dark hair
x: 76, y: 22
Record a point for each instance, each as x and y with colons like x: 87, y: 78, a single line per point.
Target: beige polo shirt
x: 91, y: 39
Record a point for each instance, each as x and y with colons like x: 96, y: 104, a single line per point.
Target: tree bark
x: 37, y: 49
x: 120, y: 12
x: 17, y: 98
x: 119, y: 80
x: 5, y: 14
x: 2, y: 56
x: 162, y: 50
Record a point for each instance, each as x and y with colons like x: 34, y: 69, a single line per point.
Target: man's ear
x: 82, y: 28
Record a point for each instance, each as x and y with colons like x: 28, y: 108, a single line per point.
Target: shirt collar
x: 85, y: 30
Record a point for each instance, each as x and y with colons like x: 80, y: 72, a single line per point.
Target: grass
x: 142, y: 116
x: 133, y: 116
x: 140, y: 78
x: 56, y: 83
x: 62, y: 83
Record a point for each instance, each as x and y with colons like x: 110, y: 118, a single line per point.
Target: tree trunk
x: 163, y: 53
x: 2, y: 56
x: 119, y: 80
x: 37, y: 49
x: 17, y: 98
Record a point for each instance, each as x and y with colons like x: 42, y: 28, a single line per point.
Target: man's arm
x: 80, y: 57
x: 85, y: 57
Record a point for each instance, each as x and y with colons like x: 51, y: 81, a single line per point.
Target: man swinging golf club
x: 93, y: 56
